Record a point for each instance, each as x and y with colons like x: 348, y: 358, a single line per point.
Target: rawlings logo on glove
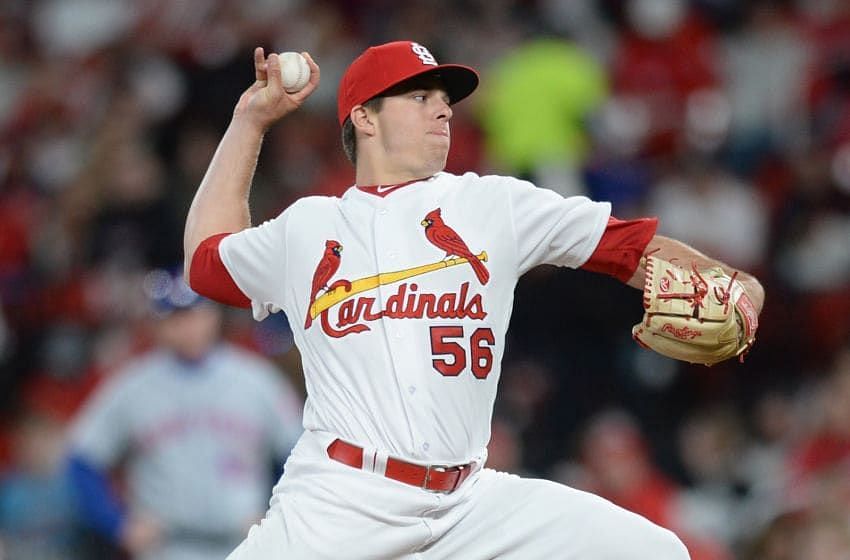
x: 702, y: 317
x: 682, y: 333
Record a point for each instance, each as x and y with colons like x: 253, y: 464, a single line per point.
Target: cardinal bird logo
x: 447, y: 239
x: 324, y: 272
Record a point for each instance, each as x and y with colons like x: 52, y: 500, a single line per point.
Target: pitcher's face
x: 413, y: 129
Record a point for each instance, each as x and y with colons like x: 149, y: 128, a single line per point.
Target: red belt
x: 436, y: 478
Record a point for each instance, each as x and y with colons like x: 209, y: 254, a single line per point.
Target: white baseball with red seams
x: 295, y: 72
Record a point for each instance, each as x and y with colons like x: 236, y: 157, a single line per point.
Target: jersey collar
x: 383, y: 190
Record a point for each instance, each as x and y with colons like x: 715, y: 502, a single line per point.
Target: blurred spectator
x: 37, y: 515
x: 776, y: 421
x: 198, y: 426
x: 614, y: 170
x: 665, y: 55
x: 810, y: 258
x: 762, y: 63
x: 798, y: 536
x: 828, y: 85
x: 535, y: 111
x: 582, y: 21
x: 813, y: 227
x: 819, y: 463
x: 616, y: 464
x: 80, y: 27
x: 135, y: 227
x: 707, y: 207
x: 711, y: 446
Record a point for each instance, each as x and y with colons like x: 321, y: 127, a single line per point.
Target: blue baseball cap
x: 166, y: 291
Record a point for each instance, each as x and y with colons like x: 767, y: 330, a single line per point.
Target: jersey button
x: 411, y: 389
x: 426, y: 446
x: 383, y: 211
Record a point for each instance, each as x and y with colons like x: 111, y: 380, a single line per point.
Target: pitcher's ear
x: 361, y: 119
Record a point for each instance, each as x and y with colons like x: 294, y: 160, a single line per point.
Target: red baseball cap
x: 384, y: 66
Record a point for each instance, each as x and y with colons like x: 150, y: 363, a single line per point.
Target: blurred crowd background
x: 730, y: 120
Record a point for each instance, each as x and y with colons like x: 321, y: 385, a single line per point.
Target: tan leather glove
x: 702, y: 317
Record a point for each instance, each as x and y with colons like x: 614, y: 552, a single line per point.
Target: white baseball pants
x: 324, y: 509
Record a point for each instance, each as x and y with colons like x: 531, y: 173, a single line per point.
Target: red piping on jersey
x: 384, y: 190
x: 621, y: 247
x: 209, y: 277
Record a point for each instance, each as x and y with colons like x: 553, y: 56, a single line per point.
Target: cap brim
x: 460, y: 80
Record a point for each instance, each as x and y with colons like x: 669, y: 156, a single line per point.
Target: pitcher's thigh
x: 316, y: 523
x: 515, y: 518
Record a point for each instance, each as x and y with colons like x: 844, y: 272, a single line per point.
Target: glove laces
x: 696, y: 297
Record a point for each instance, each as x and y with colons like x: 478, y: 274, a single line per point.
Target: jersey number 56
x: 444, y: 343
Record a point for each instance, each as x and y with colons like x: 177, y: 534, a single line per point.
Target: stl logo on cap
x: 424, y: 54
x: 381, y: 67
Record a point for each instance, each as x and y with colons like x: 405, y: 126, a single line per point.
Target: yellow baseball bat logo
x: 340, y: 294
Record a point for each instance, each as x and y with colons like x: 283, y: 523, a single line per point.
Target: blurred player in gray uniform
x: 197, y: 425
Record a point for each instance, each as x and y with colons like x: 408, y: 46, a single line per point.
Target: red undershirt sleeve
x: 621, y: 247
x: 209, y: 277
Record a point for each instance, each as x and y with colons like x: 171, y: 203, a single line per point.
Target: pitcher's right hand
x: 266, y: 101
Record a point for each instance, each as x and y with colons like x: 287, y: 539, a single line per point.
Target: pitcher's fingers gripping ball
x: 702, y: 317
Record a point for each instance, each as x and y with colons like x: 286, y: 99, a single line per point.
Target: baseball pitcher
x: 405, y: 288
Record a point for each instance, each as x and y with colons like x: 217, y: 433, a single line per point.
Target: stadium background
x: 729, y: 120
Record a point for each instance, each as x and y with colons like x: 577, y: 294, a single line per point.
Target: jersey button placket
x: 383, y: 237
x: 386, y: 255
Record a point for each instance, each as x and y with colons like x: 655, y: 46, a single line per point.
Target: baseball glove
x: 702, y: 317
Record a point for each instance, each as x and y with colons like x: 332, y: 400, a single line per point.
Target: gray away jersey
x: 198, y: 439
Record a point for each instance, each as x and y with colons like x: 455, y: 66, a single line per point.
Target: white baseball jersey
x: 198, y: 437
x: 404, y: 334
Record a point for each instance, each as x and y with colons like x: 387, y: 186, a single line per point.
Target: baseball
x: 294, y: 70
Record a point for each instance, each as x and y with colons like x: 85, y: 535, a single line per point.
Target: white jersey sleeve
x: 247, y: 255
x: 258, y: 258
x: 551, y: 229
